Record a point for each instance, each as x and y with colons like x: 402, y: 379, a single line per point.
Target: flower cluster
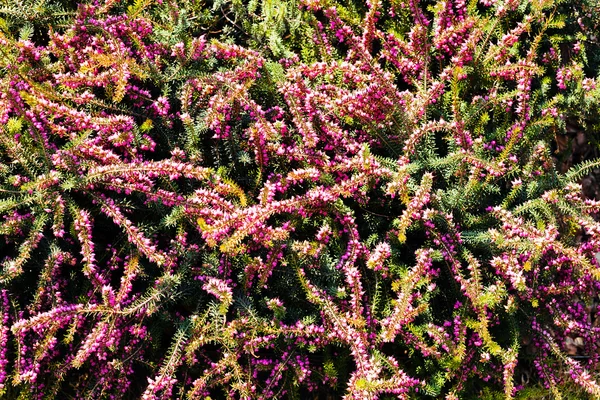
x: 385, y: 211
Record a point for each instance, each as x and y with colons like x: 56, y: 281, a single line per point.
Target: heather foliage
x: 287, y: 199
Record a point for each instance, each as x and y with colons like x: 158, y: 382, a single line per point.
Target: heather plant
x: 288, y: 199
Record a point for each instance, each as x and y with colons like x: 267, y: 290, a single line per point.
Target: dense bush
x: 297, y: 200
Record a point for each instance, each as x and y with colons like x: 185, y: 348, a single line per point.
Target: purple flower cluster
x: 381, y: 214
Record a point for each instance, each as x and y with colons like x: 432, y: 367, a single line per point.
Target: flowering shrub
x: 288, y: 200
